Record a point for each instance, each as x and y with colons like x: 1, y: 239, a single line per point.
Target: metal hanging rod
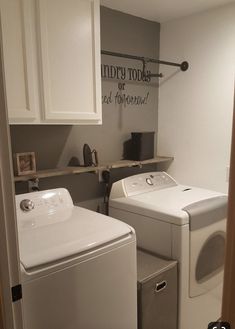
x: 183, y: 66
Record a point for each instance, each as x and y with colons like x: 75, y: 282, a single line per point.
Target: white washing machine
x: 78, y: 267
x: 183, y: 223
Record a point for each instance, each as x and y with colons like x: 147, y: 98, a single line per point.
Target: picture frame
x: 24, y: 163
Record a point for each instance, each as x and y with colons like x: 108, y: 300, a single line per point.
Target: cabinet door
x: 69, y: 35
x: 16, y: 17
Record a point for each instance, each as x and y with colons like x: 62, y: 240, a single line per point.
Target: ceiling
x: 163, y: 10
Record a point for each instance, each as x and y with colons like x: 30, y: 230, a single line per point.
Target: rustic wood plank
x: 79, y: 170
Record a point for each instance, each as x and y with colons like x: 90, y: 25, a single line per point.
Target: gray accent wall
x: 55, y: 145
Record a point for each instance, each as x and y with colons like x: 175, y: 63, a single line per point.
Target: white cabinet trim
x: 28, y: 113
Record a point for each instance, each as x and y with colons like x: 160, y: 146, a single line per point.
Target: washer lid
x: 166, y: 204
x: 80, y: 230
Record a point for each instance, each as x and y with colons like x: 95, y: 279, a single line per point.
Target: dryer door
x: 207, y: 244
x: 207, y: 250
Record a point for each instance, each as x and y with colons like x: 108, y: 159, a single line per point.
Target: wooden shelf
x: 79, y: 170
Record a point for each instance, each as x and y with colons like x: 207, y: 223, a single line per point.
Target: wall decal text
x: 124, y: 99
x: 124, y: 73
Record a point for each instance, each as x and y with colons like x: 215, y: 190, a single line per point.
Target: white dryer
x: 183, y: 223
x: 78, y: 267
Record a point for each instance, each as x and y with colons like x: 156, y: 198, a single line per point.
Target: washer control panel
x: 147, y: 182
x: 42, y: 203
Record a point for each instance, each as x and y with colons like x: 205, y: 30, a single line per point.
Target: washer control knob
x: 27, y: 205
x: 149, y: 181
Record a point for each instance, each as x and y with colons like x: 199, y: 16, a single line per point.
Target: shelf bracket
x: 33, y: 185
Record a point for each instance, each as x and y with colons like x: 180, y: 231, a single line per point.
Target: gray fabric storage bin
x: 157, y: 292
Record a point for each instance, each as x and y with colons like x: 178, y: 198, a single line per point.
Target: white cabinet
x: 70, y: 59
x: 17, y: 22
x: 52, y: 61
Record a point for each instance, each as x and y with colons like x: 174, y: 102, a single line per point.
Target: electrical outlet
x: 227, y: 173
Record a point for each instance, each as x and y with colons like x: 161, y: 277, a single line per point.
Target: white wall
x: 195, y: 107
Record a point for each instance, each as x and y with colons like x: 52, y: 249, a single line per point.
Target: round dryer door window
x: 207, y: 251
x: 211, y: 258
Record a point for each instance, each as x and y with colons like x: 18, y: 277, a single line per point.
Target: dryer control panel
x: 141, y: 183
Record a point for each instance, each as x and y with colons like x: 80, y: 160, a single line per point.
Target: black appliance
x: 139, y: 147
